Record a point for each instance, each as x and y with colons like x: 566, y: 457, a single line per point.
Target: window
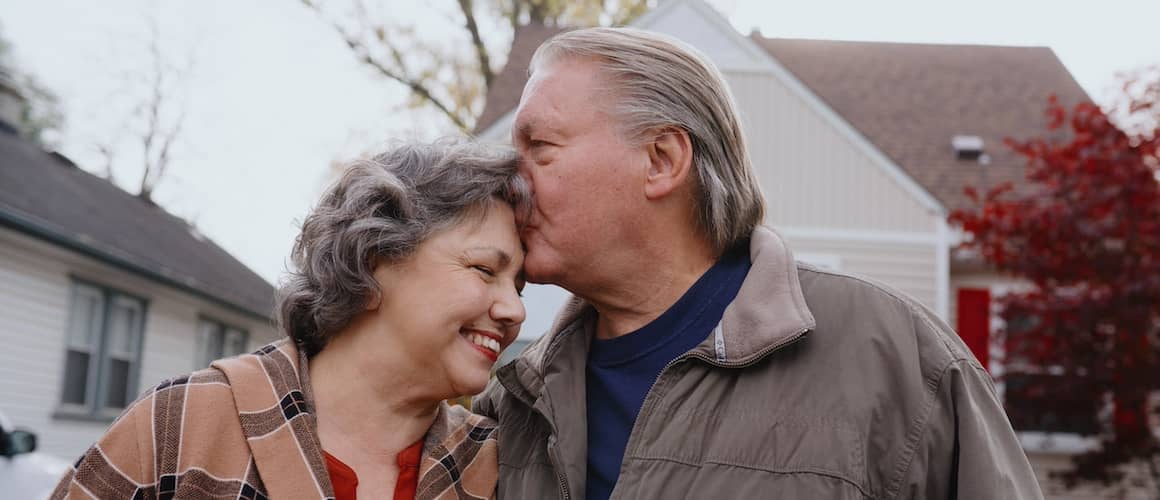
x: 103, y: 351
x: 1036, y: 398
x: 219, y: 340
x: 1046, y: 398
x: 1052, y: 403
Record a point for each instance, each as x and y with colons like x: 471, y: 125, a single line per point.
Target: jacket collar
x: 769, y: 312
x: 272, y: 394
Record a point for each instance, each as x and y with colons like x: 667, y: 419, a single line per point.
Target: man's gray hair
x: 379, y: 212
x: 658, y: 82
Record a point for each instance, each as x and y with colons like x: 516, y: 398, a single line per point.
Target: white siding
x: 35, y: 281
x: 908, y: 267
x: 811, y: 174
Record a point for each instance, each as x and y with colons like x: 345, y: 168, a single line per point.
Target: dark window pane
x: 1052, y: 403
x: 117, y: 392
x: 213, y: 347
x: 76, y: 376
x: 235, y: 343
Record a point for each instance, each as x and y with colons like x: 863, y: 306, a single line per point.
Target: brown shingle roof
x: 504, y: 93
x: 910, y: 99
x: 44, y: 195
x: 906, y: 99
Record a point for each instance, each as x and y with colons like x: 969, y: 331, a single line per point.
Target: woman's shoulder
x: 210, y: 389
x: 460, y: 450
x: 455, y: 425
x: 458, y: 416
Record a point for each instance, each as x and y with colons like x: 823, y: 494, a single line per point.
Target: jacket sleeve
x: 119, y: 464
x: 967, y: 448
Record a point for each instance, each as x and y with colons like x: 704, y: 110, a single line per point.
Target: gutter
x: 25, y: 225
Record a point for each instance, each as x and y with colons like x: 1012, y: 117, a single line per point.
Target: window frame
x: 97, y: 377
x: 1032, y: 440
x: 221, y: 329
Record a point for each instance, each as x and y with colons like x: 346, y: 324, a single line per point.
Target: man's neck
x: 648, y: 286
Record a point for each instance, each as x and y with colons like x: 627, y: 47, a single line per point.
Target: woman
x: 406, y: 290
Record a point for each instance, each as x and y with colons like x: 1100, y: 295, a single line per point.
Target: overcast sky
x: 273, y: 96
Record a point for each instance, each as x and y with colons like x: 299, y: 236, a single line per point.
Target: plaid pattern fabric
x: 244, y: 429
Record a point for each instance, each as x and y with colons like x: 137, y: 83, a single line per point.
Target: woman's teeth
x: 484, y: 341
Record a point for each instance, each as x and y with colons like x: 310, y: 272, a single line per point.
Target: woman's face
x: 454, y: 305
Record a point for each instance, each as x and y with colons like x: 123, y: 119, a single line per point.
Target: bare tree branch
x: 477, y: 41
x: 449, y: 78
x: 108, y: 154
x: 152, y: 115
x: 628, y: 13
x: 161, y: 128
x: 416, y: 85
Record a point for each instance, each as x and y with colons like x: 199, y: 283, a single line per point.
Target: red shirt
x: 345, y: 481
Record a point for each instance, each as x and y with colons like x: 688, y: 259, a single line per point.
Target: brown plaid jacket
x: 243, y: 429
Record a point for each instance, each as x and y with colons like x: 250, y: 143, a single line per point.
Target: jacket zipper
x: 553, y: 450
x: 650, y: 401
x: 561, y: 480
x: 756, y: 358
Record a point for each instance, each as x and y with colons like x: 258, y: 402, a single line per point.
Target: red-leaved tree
x: 1085, y: 232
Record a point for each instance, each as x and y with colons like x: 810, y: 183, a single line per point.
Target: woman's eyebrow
x: 503, y: 257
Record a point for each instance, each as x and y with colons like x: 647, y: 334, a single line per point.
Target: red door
x: 974, y: 322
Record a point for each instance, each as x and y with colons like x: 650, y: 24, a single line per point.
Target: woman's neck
x: 363, y: 411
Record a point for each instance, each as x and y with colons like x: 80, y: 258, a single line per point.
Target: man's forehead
x: 555, y: 95
x: 535, y: 109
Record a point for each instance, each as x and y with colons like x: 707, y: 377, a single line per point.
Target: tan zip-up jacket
x: 815, y: 385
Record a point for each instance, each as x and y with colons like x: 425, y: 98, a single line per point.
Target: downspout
x: 942, y: 277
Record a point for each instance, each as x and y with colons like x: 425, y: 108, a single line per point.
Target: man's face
x: 585, y: 177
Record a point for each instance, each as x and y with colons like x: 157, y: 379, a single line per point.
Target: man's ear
x: 670, y: 162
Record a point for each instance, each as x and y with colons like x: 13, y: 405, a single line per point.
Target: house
x: 103, y: 295
x: 862, y: 150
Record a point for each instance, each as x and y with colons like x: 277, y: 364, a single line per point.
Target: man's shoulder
x: 859, y: 306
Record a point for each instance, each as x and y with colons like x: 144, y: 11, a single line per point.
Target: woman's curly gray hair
x: 380, y: 210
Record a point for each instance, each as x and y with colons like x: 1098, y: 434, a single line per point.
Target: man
x: 697, y: 360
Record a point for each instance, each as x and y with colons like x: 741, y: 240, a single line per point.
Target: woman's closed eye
x: 485, y: 270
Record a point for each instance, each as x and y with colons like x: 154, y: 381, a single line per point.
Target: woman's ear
x: 374, y: 300
x: 670, y: 162
x: 381, y: 274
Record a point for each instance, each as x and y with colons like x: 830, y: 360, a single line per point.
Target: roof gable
x: 696, y: 23
x: 44, y: 195
x: 909, y: 100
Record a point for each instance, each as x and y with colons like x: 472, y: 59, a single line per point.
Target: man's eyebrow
x: 524, y: 128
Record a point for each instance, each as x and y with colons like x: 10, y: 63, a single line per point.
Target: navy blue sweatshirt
x: 622, y: 370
